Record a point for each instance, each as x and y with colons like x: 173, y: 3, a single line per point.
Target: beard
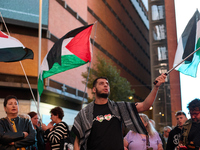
x: 102, y: 95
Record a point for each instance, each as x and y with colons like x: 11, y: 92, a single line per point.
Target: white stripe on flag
x: 179, y: 54
x: 44, y: 66
x: 10, y: 42
x: 197, y: 32
x: 65, y: 51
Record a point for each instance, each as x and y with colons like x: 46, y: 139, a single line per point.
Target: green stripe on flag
x: 67, y: 62
x: 191, y: 68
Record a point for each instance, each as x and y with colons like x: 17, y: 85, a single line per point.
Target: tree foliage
x: 120, y: 88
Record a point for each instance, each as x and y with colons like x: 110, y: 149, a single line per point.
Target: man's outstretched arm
x: 147, y: 103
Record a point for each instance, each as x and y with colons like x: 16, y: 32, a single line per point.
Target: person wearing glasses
x: 174, y: 134
x: 190, y: 137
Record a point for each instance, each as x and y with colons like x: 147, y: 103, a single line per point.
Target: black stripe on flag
x: 189, y: 36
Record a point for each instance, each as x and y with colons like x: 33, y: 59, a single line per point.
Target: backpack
x: 68, y: 143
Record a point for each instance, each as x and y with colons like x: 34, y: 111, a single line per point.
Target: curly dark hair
x: 8, y: 98
x: 57, y: 111
x: 194, y: 104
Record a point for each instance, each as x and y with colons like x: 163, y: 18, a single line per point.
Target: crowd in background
x: 27, y: 132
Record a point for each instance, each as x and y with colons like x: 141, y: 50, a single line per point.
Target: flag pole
x: 39, y: 51
x: 21, y: 66
x: 155, y: 82
x: 89, y: 64
x: 182, y: 61
x: 4, y: 23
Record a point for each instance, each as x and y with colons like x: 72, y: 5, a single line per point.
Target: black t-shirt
x: 173, y: 138
x: 106, y: 132
x: 194, y: 134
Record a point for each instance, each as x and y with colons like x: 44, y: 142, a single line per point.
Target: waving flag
x: 12, y: 50
x: 188, y: 43
x: 71, y: 51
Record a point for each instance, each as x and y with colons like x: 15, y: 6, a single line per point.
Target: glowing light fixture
x: 130, y: 97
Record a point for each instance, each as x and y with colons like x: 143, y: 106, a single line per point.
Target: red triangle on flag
x: 3, y: 35
x: 80, y: 45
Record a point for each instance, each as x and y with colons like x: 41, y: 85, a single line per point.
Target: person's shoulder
x: 131, y: 133
x: 156, y: 133
x: 87, y: 108
x: 161, y: 135
x: 3, y: 119
x: 62, y: 123
x: 189, y: 121
x: 122, y: 103
x: 23, y: 119
x: 38, y: 128
x: 175, y: 130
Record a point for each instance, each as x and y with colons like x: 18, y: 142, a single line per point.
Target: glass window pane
x: 162, y: 53
x: 157, y: 12
x: 159, y: 32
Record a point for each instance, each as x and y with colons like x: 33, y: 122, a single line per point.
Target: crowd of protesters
x: 100, y: 126
x: 26, y: 132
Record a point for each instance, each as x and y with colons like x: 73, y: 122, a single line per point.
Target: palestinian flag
x: 187, y: 44
x: 12, y: 50
x: 71, y: 51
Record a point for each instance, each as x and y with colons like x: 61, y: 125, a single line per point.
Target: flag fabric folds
x: 188, y: 43
x: 71, y: 51
x: 12, y: 50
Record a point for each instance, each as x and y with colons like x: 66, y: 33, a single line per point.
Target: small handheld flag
x: 188, y: 43
x: 71, y: 51
x: 12, y: 50
x: 155, y: 82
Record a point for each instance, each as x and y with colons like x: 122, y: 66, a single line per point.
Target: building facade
x: 121, y: 35
x: 163, y: 44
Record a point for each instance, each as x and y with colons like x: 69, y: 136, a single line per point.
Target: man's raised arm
x: 147, y: 103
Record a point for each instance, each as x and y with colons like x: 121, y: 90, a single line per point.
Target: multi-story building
x: 121, y: 35
x: 163, y: 44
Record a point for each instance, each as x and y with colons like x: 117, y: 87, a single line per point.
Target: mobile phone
x: 183, y: 147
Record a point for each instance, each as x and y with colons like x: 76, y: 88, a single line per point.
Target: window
x: 159, y: 32
x: 157, y: 12
x: 162, y: 53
